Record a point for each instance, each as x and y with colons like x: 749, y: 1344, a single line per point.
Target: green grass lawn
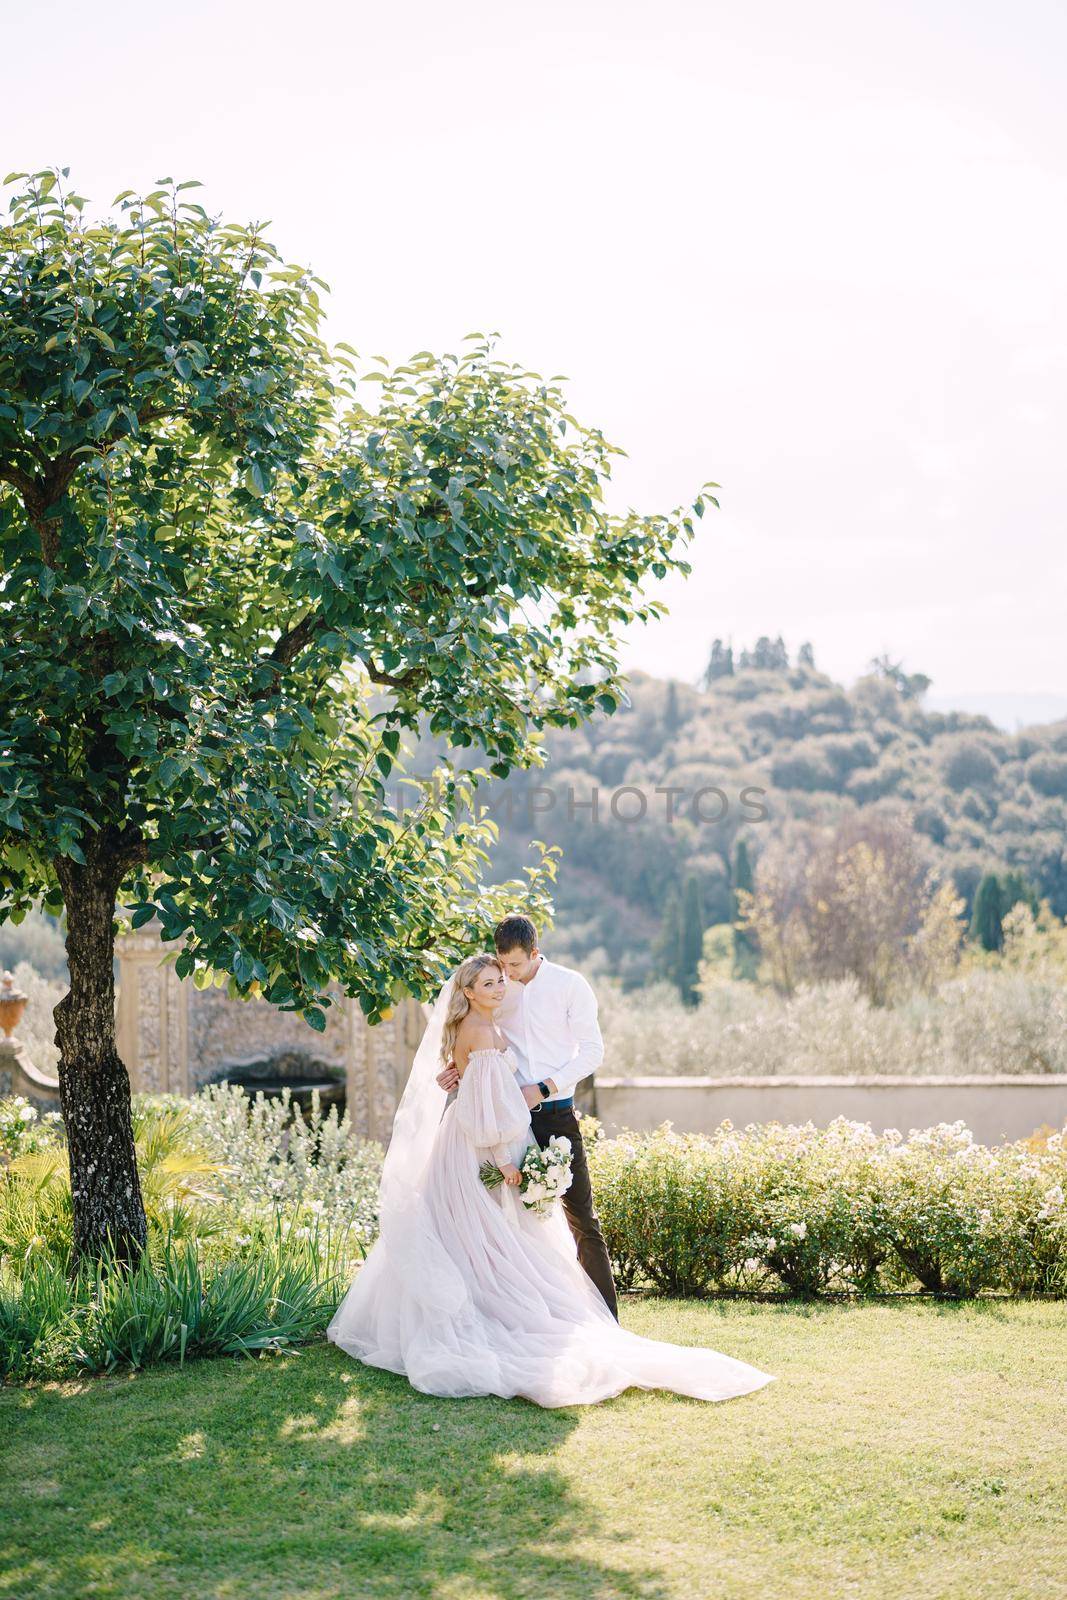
x: 905, y: 1451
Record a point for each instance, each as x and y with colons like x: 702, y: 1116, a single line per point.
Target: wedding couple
x: 467, y: 1290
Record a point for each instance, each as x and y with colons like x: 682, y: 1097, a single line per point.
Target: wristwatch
x: 544, y: 1089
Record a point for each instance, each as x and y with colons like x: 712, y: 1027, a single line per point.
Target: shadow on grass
x: 305, y: 1477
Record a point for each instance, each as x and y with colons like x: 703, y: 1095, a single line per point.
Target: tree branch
x: 396, y: 680
x: 290, y: 644
x: 38, y: 494
x: 18, y: 479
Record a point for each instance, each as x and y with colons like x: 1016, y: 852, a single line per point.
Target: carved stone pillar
x: 152, y: 1017
x: 379, y: 1060
x: 357, y: 1068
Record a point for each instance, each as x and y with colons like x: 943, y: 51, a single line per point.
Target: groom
x: 549, y: 1018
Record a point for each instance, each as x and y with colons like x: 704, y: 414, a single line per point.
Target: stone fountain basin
x: 331, y: 1090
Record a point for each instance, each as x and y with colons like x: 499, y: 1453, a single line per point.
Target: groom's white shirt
x: 551, y: 1024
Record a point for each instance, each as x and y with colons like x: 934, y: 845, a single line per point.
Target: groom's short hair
x: 514, y: 931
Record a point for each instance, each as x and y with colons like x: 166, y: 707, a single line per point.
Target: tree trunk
x: 94, y: 1087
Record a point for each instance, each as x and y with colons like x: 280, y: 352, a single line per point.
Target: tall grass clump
x: 178, y: 1303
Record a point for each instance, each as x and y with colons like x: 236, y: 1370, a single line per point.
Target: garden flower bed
x: 257, y: 1223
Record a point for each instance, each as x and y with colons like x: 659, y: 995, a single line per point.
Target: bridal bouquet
x: 546, y: 1174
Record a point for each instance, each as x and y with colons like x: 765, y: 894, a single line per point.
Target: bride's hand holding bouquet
x: 543, y: 1177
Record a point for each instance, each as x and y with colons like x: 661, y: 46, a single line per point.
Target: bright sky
x: 814, y: 252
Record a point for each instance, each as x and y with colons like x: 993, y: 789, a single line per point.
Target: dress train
x: 471, y: 1293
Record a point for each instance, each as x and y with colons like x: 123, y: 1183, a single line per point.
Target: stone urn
x: 12, y: 1004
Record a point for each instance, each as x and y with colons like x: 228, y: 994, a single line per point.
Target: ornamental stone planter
x: 18, y: 1075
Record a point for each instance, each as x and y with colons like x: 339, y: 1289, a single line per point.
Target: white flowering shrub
x: 841, y: 1209
x: 23, y: 1129
x: 673, y: 1208
x: 273, y: 1162
x: 934, y: 1206
x: 813, y: 1194
x: 1027, y: 1225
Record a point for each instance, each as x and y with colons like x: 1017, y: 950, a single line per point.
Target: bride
x: 468, y: 1292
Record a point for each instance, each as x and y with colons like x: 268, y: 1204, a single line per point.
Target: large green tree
x: 230, y: 584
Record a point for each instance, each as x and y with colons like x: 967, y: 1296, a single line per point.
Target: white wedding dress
x: 468, y: 1292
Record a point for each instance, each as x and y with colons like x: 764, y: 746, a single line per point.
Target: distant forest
x: 788, y: 749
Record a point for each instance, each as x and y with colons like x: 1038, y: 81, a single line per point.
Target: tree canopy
x: 237, y: 563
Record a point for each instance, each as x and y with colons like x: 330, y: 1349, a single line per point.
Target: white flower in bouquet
x: 546, y: 1174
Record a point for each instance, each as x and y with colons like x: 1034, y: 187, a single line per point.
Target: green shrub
x: 809, y: 1211
x: 267, y: 1158
x: 38, y: 1325
x: 670, y: 1211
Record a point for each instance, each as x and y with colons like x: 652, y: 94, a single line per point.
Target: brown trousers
x: 578, y: 1201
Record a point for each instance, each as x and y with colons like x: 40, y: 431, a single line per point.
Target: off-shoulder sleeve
x: 490, y: 1107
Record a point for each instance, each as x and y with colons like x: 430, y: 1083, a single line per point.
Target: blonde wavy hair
x: 459, y: 1005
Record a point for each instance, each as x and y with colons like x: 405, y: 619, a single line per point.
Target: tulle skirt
x: 467, y: 1292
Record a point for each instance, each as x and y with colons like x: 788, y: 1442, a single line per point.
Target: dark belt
x: 563, y: 1104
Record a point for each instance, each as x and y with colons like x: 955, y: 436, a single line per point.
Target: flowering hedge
x: 808, y: 1211
x: 796, y: 1210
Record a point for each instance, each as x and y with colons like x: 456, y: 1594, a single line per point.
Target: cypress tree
x: 720, y: 663
x: 986, y: 924
x: 746, y: 952
x: 691, y: 940
x: 668, y: 948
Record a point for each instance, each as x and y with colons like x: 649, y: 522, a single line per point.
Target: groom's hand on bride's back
x: 449, y: 1077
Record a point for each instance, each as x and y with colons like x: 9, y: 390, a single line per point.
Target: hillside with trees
x: 653, y: 804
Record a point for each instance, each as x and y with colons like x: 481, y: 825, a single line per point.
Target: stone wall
x: 175, y: 1038
x: 994, y: 1108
